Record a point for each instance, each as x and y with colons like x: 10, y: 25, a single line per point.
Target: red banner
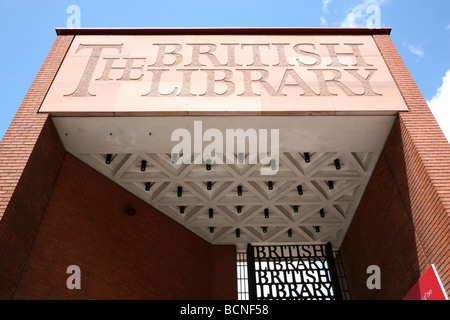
x: 429, y: 287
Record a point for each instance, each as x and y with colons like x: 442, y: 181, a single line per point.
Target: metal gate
x: 292, y: 272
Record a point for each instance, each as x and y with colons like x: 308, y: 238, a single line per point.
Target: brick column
x: 402, y: 223
x: 30, y: 155
x: 427, y: 154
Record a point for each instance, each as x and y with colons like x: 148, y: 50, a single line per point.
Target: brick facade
x: 402, y: 223
x: 145, y: 256
x: 30, y: 157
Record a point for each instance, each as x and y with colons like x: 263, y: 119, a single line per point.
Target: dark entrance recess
x: 295, y: 272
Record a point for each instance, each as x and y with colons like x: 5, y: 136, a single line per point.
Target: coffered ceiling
x: 234, y: 203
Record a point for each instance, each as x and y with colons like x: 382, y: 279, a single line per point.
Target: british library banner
x: 208, y: 74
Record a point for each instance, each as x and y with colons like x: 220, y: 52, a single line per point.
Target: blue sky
x: 420, y: 31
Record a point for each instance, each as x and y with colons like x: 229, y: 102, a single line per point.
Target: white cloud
x: 440, y: 105
x: 323, y: 21
x: 325, y: 4
x: 358, y: 15
x: 416, y: 50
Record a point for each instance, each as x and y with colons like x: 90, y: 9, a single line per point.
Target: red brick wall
x: 402, y: 223
x: 30, y: 157
x: 24, y: 130
x: 382, y: 231
x: 224, y: 273
x: 145, y: 256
